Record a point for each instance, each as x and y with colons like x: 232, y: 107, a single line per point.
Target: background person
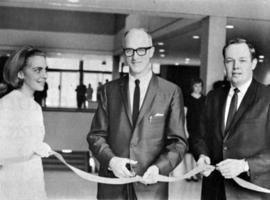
x: 89, y: 94
x: 194, y: 104
x: 80, y: 94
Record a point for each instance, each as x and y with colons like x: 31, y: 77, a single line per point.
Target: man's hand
x: 231, y: 168
x: 151, y: 175
x: 119, y: 167
x: 43, y: 150
x: 205, y: 161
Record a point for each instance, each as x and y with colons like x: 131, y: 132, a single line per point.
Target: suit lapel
x: 125, y: 97
x: 149, y: 97
x: 246, y: 102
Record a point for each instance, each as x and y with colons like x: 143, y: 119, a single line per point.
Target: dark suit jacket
x: 156, y: 139
x: 248, y: 137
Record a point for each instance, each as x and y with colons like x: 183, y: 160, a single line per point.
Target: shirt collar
x: 144, y: 80
x: 243, y: 88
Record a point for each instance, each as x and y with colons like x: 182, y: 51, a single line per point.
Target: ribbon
x: 161, y: 178
x: 117, y: 181
x: 245, y: 184
x: 94, y: 178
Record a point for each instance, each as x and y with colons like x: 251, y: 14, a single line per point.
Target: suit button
x: 225, y: 148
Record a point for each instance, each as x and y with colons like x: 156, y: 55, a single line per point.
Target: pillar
x: 213, y: 39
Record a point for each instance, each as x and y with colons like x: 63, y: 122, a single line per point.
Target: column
x: 115, y: 71
x: 213, y: 39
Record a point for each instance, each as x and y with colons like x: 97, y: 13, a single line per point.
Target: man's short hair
x: 241, y: 41
x: 17, y: 62
x: 138, y: 29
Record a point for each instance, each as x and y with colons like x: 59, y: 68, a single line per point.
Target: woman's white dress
x: 21, y: 132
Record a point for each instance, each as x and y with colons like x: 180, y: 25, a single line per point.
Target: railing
x: 78, y: 159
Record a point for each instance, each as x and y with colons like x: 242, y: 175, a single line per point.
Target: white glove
x: 119, y: 168
x: 151, y: 175
x: 43, y: 150
x: 205, y: 161
x: 231, y: 168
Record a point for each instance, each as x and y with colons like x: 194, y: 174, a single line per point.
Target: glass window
x: 61, y: 90
x: 64, y: 76
x: 94, y: 79
x: 126, y: 69
x: 156, y: 68
x: 53, y: 81
x: 98, y: 63
x: 63, y: 63
x: 69, y: 83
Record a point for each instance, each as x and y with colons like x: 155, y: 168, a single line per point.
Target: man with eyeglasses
x: 138, y: 126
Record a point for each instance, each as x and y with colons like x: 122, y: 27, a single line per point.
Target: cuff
x: 246, y: 167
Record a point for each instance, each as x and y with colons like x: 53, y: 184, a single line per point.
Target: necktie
x: 233, y: 108
x: 136, y: 101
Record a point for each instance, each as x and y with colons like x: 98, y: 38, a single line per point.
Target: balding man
x: 138, y: 126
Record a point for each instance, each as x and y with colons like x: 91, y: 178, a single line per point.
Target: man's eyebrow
x: 37, y: 67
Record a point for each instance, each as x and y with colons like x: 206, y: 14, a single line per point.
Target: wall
x: 58, y: 30
x: 67, y: 130
x: 262, y: 72
x: 57, y: 21
x: 55, y: 41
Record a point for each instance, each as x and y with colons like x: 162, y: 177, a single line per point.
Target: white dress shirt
x: 144, y: 83
x: 242, y: 91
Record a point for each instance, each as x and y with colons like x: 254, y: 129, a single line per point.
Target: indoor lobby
x: 83, y: 43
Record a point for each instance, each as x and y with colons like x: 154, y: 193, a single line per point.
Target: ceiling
x: 181, y: 45
x: 250, y: 18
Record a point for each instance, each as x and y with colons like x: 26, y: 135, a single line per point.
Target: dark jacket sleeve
x: 259, y: 164
x: 97, y: 137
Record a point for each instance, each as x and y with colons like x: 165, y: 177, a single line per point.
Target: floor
x: 61, y: 185
x: 65, y: 185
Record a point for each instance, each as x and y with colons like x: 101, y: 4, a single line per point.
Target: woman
x: 193, y: 107
x: 22, y: 128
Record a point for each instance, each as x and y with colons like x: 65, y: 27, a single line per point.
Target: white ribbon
x: 117, y: 181
x: 161, y: 178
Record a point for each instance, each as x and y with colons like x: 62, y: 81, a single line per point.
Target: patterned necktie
x: 233, y: 108
x: 136, y: 101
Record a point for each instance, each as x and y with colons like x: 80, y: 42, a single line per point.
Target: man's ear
x: 225, y: 71
x: 254, y: 63
x: 20, y: 75
x: 152, y: 51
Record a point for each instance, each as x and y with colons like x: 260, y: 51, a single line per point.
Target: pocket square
x: 158, y: 115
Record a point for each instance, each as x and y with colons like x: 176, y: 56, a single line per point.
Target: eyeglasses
x: 140, y: 51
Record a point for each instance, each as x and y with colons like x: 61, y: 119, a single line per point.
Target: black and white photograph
x: 134, y: 100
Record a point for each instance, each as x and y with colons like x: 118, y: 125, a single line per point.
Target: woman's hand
x: 43, y: 150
